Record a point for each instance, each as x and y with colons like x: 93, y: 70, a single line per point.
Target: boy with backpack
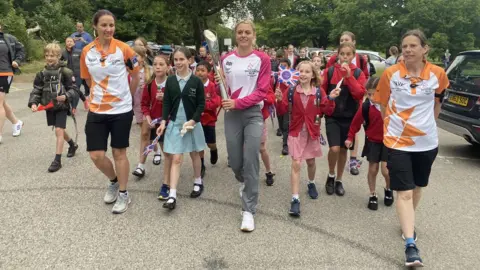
x: 53, y: 88
x: 369, y: 114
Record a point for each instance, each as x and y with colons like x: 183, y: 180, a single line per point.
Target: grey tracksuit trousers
x: 243, y: 132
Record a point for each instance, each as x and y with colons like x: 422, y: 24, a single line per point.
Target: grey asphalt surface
x: 60, y: 221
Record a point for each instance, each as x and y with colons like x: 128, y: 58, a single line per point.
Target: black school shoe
x: 279, y: 133
x: 270, y: 179
x: 285, y: 150
x: 170, y: 203
x: 213, y: 157
x: 72, y: 150
x: 339, y: 188
x: 329, y: 185
x: 196, y: 194
x: 373, y: 203
x: 388, y: 200
x: 55, y: 166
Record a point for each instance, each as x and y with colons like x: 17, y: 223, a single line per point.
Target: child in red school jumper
x: 268, y: 107
x: 209, y: 116
x: 370, y: 116
x: 306, y: 103
x: 152, y: 106
x: 346, y: 105
x: 283, y: 117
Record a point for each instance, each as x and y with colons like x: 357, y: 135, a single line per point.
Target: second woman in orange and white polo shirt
x: 105, y: 65
x: 410, y: 95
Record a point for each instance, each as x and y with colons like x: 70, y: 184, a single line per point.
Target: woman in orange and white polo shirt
x: 410, y: 95
x: 105, y: 64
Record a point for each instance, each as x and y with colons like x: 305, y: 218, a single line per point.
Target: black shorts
x: 337, y: 131
x: 408, y: 170
x: 5, y: 82
x: 100, y: 126
x: 57, y: 119
x: 210, y: 135
x: 375, y: 152
x: 153, y: 134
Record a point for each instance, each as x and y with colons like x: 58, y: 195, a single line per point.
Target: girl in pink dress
x: 306, y: 103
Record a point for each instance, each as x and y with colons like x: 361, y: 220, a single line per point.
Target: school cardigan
x: 150, y: 104
x: 193, y: 98
x: 212, y: 102
x: 374, y: 130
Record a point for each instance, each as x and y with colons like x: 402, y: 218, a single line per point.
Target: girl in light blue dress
x: 183, y: 104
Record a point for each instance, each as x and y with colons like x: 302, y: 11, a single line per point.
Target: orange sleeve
x: 382, y: 94
x: 84, y: 73
x: 443, y: 81
x: 131, y: 60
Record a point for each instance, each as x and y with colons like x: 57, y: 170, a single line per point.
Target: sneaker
x: 213, y: 157
x: 270, y: 179
x: 164, y: 192
x: 339, y: 188
x: 202, y: 172
x: 388, y: 199
x: 373, y: 203
x: 122, y: 203
x: 414, y: 236
x: 312, y: 191
x: 285, y: 150
x: 412, y: 256
x: 112, y: 193
x: 55, y: 166
x: 354, y: 167
x: 329, y: 185
x: 279, y: 132
x: 294, y: 208
x: 248, y: 223
x: 72, y: 150
x: 17, y: 128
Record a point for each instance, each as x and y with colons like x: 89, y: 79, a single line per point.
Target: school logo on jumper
x: 192, y: 92
x: 251, y: 71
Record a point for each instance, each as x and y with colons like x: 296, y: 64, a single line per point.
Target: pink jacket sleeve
x: 263, y: 84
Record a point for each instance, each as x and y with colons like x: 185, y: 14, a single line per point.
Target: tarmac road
x: 60, y: 221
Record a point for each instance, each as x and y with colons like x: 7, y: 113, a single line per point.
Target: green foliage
x: 56, y: 25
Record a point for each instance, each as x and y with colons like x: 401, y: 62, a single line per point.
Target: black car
x: 460, y: 112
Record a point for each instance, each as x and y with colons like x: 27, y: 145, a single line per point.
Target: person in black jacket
x: 71, y: 55
x: 11, y: 55
x: 53, y: 88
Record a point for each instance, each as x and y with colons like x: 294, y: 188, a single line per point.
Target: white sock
x: 338, y: 180
x: 331, y: 175
x: 311, y: 181
x: 295, y: 196
x: 141, y: 165
x: 173, y: 193
x: 159, y: 152
x: 198, y: 181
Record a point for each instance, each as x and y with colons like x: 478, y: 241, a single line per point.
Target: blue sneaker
x: 312, y: 191
x: 294, y: 208
x: 412, y: 256
x: 164, y: 192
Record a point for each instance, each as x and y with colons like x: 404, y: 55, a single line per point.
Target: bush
x: 55, y: 24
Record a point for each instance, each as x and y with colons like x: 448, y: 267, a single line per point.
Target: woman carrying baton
x: 247, y: 76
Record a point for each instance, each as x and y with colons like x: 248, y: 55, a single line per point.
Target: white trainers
x: 17, y: 128
x: 112, y: 193
x: 248, y: 224
x: 122, y: 203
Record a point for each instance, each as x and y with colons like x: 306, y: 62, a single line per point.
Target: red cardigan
x: 374, y: 130
x: 333, y: 60
x: 284, y: 88
x: 212, y: 102
x: 267, y: 103
x: 301, y: 115
x: 150, y: 104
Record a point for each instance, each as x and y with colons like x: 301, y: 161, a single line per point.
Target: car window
x: 373, y: 57
x: 465, y: 69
